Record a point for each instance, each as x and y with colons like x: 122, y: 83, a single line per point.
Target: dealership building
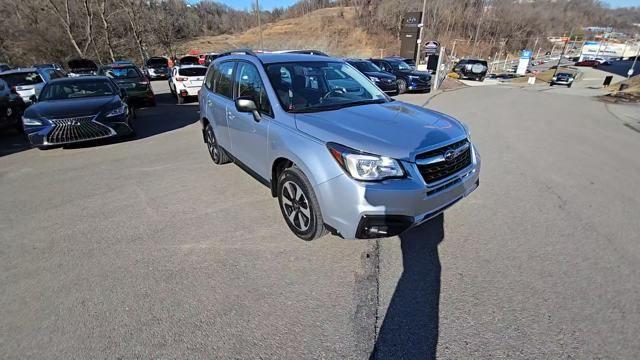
x: 606, y: 50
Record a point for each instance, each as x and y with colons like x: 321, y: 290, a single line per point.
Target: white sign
x: 523, y: 64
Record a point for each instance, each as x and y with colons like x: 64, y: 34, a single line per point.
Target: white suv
x: 186, y: 81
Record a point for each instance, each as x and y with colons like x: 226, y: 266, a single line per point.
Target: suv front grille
x: 433, y: 165
x: 81, y: 128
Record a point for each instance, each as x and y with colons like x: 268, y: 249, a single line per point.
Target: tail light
x: 180, y: 78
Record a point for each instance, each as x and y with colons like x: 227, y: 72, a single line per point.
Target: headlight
x: 374, y: 79
x: 554, y: 78
x: 366, y: 167
x: 117, y: 111
x: 31, y: 122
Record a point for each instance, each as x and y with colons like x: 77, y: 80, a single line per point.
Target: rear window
x: 22, y: 78
x: 192, y: 71
x: 123, y: 73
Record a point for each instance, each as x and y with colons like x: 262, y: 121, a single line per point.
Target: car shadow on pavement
x: 411, y: 323
x: 11, y: 142
x: 166, y: 116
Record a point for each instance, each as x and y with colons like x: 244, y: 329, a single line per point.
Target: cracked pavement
x: 143, y: 249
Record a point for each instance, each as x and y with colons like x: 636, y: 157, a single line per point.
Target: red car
x: 591, y: 63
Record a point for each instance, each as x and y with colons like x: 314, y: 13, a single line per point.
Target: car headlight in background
x: 121, y: 110
x: 31, y: 121
x: 366, y: 167
x: 554, y: 78
x: 374, y: 79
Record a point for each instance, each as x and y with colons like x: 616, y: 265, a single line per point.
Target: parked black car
x: 73, y: 110
x: 408, y: 79
x: 11, y: 108
x: 157, y: 68
x: 130, y: 78
x: 475, y: 69
x: 82, y: 67
x: 385, y: 81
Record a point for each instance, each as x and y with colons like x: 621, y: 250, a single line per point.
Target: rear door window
x: 208, y: 82
x: 224, y: 79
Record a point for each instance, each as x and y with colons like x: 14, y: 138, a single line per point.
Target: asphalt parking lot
x: 144, y: 249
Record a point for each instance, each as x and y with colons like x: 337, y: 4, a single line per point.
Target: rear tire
x: 402, y: 86
x: 218, y: 155
x: 299, y: 205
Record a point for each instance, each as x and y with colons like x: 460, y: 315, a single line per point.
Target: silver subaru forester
x: 338, y: 153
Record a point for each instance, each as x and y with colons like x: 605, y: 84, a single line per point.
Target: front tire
x: 299, y: 205
x: 402, y: 86
x: 218, y: 155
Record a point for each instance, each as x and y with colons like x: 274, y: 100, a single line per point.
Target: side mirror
x: 246, y: 104
x: 33, y: 99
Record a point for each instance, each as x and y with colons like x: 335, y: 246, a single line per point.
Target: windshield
x: 321, y: 85
x: 123, y: 73
x: 194, y: 71
x: 365, y: 66
x: 563, y: 74
x: 75, y: 90
x: 22, y: 78
x: 399, y: 65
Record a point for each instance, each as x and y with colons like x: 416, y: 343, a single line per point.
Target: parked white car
x: 186, y: 81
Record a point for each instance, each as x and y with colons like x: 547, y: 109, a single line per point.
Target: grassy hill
x: 332, y: 30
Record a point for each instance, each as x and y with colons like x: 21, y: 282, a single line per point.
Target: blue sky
x: 270, y: 4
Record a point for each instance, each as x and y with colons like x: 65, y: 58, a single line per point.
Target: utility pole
x: 630, y: 72
x: 534, y: 47
x: 561, y: 55
x: 475, y: 41
x: 420, y: 40
x: 259, y: 25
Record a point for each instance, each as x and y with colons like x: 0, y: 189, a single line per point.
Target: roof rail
x: 308, y: 52
x: 240, y: 52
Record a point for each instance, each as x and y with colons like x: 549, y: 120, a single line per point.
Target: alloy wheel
x: 296, y: 206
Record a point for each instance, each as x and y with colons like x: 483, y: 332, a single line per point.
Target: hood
x: 158, y: 62
x: 395, y: 129
x: 422, y: 74
x: 82, y: 64
x: 380, y: 75
x: 189, y: 59
x: 72, y: 107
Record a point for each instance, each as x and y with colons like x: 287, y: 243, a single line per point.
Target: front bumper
x: 417, y: 85
x: 388, y: 87
x: 358, y: 209
x: 59, y: 135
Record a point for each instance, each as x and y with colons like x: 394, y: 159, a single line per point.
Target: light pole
x: 424, y: 9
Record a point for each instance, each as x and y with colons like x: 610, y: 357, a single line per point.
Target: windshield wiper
x: 340, y: 106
